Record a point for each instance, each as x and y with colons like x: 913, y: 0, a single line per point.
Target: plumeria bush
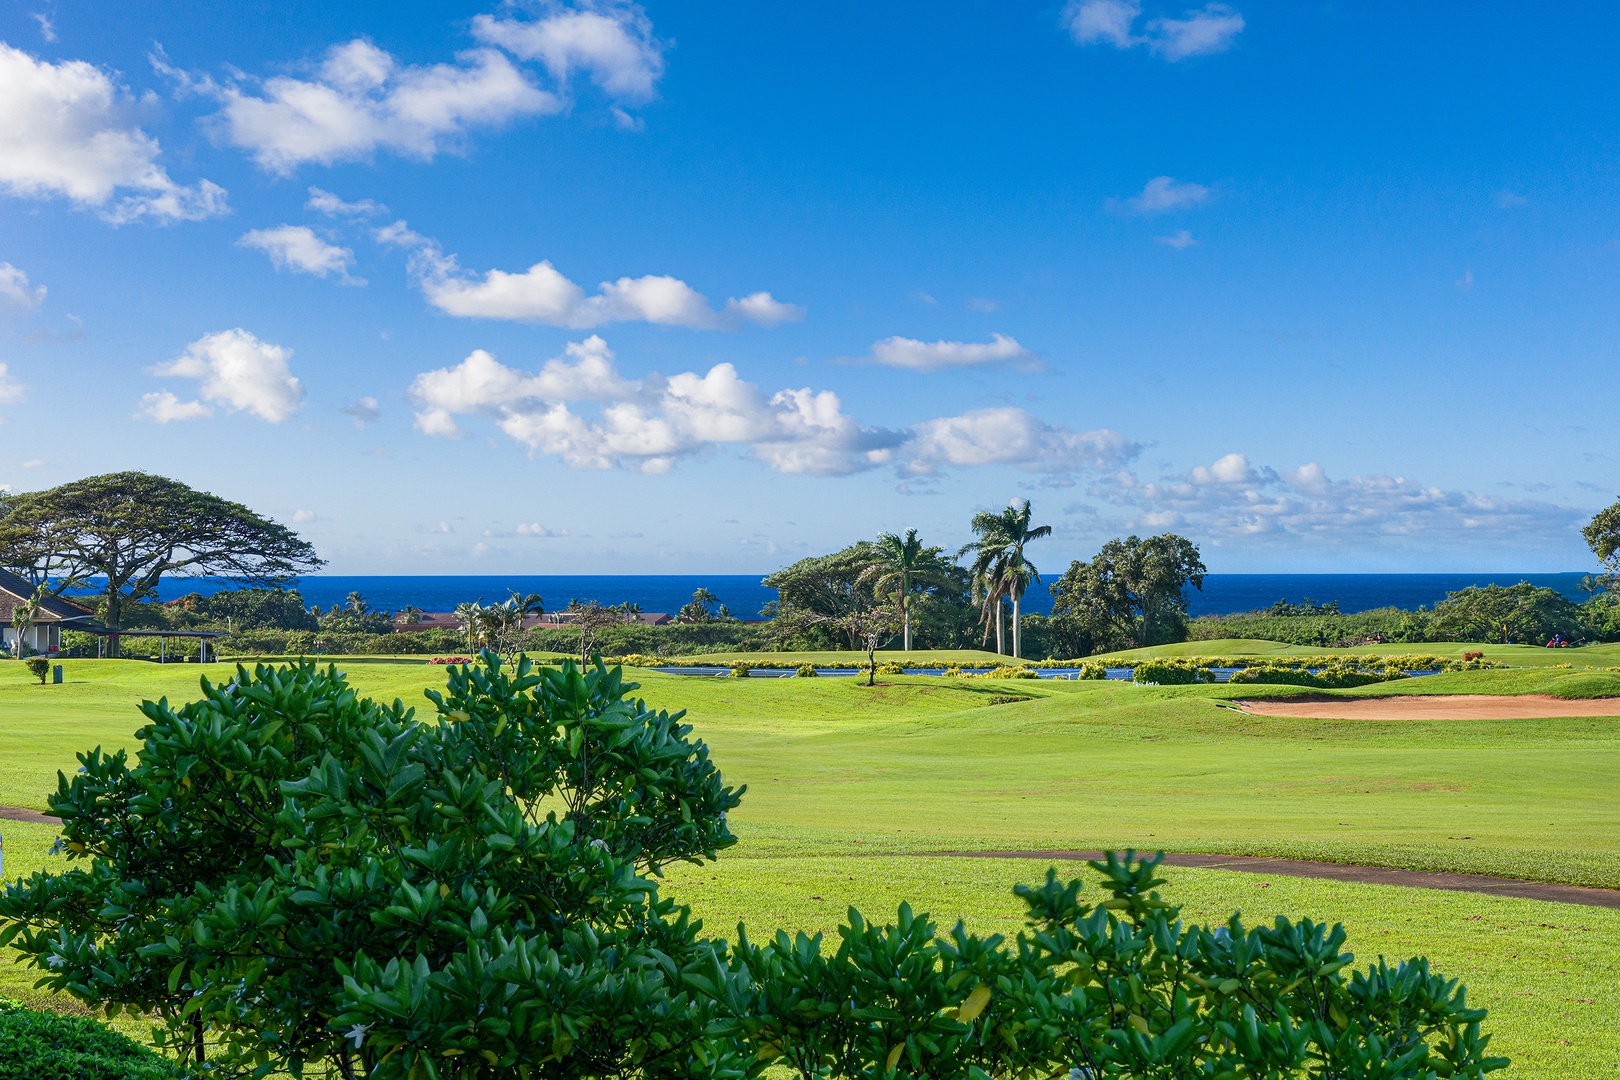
x: 290, y: 878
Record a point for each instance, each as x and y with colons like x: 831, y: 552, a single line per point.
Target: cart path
x: 1360, y: 875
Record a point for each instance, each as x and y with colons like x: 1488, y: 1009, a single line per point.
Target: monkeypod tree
x: 289, y: 877
x: 134, y: 529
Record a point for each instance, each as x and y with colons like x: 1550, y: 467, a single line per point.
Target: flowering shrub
x: 451, y: 660
x: 807, y: 671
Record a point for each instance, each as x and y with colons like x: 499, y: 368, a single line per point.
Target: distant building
x: 44, y: 635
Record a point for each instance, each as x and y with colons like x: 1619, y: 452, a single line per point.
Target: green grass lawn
x: 839, y: 774
x: 1517, y: 655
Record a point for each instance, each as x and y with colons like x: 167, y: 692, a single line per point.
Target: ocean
x: 1223, y: 594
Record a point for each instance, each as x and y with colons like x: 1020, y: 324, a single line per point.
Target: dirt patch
x: 18, y: 813
x: 1364, y: 875
x: 1436, y: 707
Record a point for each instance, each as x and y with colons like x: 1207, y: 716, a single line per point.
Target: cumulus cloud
x: 360, y: 100
x: 234, y: 370
x: 764, y: 309
x: 1199, y: 32
x: 303, y: 517
x: 15, y: 292
x: 1163, y: 194
x: 646, y: 424
x: 612, y: 45
x: 163, y: 406
x: 914, y: 355
x: 66, y: 131
x: 544, y: 294
x: 297, y: 248
x: 1234, y: 498
x: 1010, y: 436
x: 580, y: 409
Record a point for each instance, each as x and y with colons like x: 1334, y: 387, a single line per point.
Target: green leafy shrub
x: 1328, y: 678
x: 294, y: 875
x: 1092, y: 671
x: 891, y: 667
x: 740, y: 669
x: 1120, y: 988
x: 1172, y: 673
x: 807, y: 671
x: 38, y: 667
x: 45, y: 1046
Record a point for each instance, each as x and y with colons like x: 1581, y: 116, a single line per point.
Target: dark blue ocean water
x: 744, y: 595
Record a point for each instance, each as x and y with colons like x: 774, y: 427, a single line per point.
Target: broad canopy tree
x: 1133, y: 594
x: 134, y: 529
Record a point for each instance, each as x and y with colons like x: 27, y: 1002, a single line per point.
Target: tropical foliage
x: 1133, y: 594
x: 1000, y: 568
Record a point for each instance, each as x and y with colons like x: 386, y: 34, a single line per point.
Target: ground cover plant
x: 37, y: 1045
x: 373, y: 819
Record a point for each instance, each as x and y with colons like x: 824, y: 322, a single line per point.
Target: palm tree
x: 905, y: 564
x: 470, y: 615
x: 1001, y: 564
x: 356, y: 603
x: 409, y: 615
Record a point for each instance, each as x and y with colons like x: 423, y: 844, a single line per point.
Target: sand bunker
x: 1436, y: 707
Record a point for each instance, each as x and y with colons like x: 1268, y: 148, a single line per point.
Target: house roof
x: 16, y: 589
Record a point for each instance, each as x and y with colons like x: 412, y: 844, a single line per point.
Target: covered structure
x: 43, y: 634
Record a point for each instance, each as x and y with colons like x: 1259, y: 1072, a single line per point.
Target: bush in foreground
x: 45, y: 1046
x: 293, y: 878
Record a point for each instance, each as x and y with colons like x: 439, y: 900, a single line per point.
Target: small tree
x: 590, y: 618
x: 905, y: 565
x: 23, y: 616
x: 1602, y: 535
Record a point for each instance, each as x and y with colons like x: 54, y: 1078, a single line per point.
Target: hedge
x: 46, y: 1046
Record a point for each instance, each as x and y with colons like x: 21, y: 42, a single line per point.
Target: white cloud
x: 1507, y: 200
x: 66, y: 130
x: 580, y: 409
x: 1200, y: 32
x: 34, y: 463
x: 764, y: 309
x: 1212, y: 29
x: 543, y: 294
x: 1009, y: 436
x: 646, y: 425
x: 324, y: 202
x: 1102, y: 21
x: 611, y: 44
x: 914, y: 355
x: 236, y: 370
x: 534, y: 528
x: 296, y: 247
x: 361, y: 100
x: 11, y: 390
x: 163, y: 407
x: 362, y: 412
x: 15, y: 292
x: 1181, y: 240
x: 1234, y: 498
x: 303, y: 517
x: 1163, y: 194
x: 47, y: 27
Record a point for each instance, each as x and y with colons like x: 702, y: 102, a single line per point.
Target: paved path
x: 1364, y: 875
x: 17, y: 813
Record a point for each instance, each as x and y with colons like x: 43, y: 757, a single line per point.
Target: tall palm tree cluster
x: 1000, y: 570
x: 498, y: 626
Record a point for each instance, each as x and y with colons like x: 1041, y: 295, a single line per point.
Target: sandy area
x: 1437, y: 707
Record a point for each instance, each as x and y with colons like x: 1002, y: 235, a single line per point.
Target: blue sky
x: 603, y: 288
